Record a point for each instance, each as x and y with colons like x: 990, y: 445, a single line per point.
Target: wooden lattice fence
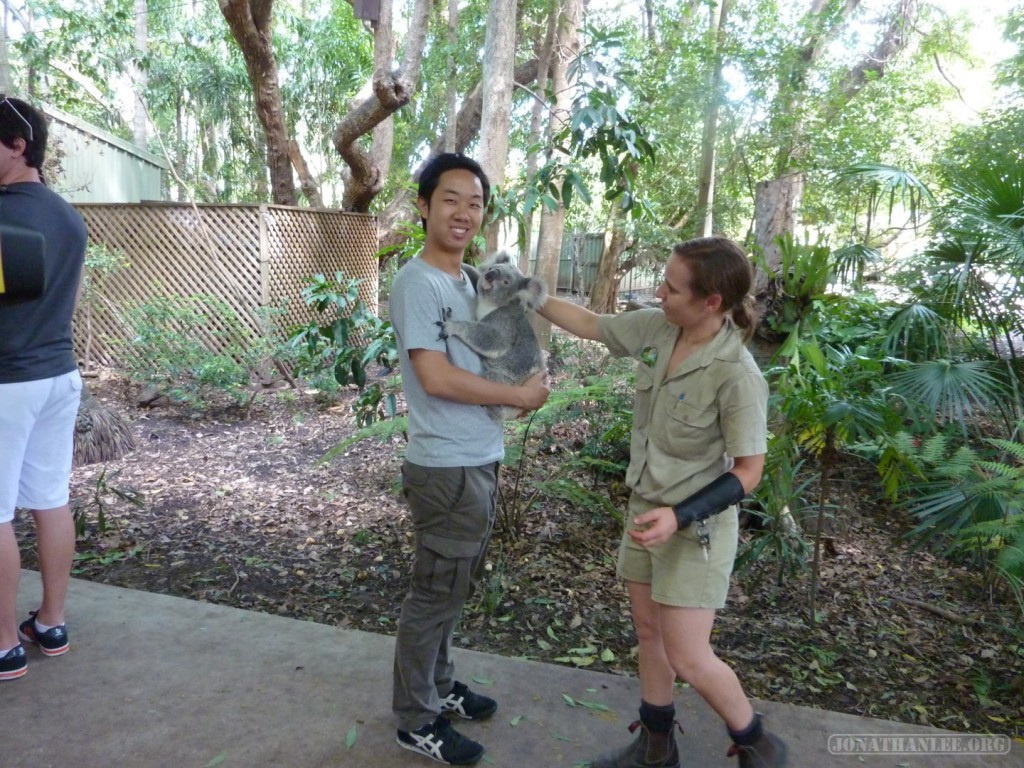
x: 248, y: 256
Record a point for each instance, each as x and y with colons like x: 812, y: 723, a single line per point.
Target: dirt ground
x: 244, y: 512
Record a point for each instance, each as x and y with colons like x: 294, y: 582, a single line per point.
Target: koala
x: 502, y: 335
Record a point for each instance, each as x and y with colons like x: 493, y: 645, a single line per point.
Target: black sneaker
x: 439, y: 741
x: 52, y: 642
x: 463, y: 703
x: 14, y: 663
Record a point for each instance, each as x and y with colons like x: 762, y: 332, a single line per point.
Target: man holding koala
x: 450, y: 473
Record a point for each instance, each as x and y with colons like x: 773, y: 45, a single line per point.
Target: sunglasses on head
x: 5, y: 101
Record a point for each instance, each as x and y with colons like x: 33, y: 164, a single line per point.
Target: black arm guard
x: 717, y: 496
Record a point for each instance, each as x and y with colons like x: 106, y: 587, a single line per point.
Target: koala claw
x: 446, y: 315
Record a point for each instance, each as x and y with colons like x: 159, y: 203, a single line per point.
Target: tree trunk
x: 775, y: 205
x: 536, y: 124
x: 498, y: 73
x: 309, y: 186
x: 552, y: 222
x: 776, y: 201
x: 706, y: 184
x: 5, y: 64
x: 250, y: 22
x: 138, y: 75
x: 604, y: 291
x: 649, y: 26
x: 451, y: 113
x: 387, y: 92
x: 180, y: 158
x: 892, y: 42
x: 400, y: 209
x: 824, y: 21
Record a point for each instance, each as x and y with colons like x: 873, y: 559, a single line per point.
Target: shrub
x: 335, y: 349
x: 167, y: 350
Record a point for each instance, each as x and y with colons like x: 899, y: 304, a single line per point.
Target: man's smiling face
x: 454, y: 213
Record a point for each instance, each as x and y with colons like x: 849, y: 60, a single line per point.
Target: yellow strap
x: 2, y: 288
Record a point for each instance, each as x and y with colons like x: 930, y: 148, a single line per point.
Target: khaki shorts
x: 676, y: 570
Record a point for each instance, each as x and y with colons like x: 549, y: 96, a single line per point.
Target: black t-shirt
x: 35, y: 334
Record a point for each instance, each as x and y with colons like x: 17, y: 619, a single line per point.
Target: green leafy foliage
x: 101, y: 262
x: 600, y: 130
x: 104, y: 492
x: 963, y: 487
x: 336, y: 348
x: 172, y: 346
x: 783, y: 495
x: 888, y: 186
x: 383, y: 430
x: 600, y: 408
x: 949, y: 391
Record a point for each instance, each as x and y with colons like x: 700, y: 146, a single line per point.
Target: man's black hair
x: 430, y: 176
x: 14, y: 113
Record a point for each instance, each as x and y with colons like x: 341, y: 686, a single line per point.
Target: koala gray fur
x: 502, y: 335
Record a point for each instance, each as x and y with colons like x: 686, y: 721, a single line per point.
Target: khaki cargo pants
x: 452, y: 513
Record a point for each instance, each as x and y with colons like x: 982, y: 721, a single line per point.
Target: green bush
x: 335, y: 349
x: 167, y: 350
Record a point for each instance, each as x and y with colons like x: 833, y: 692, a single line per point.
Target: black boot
x: 650, y: 749
x: 757, y: 748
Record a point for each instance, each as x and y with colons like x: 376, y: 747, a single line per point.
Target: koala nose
x: 492, y: 274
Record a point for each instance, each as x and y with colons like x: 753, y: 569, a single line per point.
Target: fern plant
x: 962, y: 488
x: 973, y: 500
x: 1001, y: 544
x: 998, y: 542
x: 601, y: 405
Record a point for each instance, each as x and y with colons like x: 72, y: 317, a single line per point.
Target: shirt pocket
x: 691, y: 429
x: 643, y: 398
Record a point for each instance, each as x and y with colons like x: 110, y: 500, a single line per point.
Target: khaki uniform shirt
x: 690, y: 422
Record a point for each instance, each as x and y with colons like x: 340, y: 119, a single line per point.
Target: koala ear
x: 498, y: 257
x: 534, y: 292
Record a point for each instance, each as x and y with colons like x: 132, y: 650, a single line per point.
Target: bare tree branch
x: 889, y: 46
x: 388, y: 92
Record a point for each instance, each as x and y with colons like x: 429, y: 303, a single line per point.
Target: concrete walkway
x: 162, y: 682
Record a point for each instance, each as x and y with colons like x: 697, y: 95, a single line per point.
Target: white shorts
x: 37, y: 422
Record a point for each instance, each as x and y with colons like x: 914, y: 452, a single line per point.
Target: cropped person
x: 39, y: 390
x: 698, y: 445
x: 450, y: 472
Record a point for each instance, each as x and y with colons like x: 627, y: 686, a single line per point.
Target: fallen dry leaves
x: 244, y: 513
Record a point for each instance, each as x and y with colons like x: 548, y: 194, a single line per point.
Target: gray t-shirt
x: 442, y: 433
x: 35, y: 334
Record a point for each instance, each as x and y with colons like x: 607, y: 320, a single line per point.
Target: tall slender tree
x: 706, y: 183
x: 251, y: 24
x: 777, y: 200
x: 388, y: 91
x: 545, y: 50
x: 552, y: 220
x: 498, y: 73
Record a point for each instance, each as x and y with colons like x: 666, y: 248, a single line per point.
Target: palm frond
x: 851, y: 261
x: 951, y: 390
x: 888, y: 183
x: 916, y: 332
